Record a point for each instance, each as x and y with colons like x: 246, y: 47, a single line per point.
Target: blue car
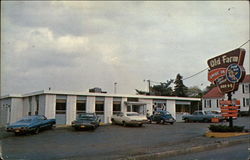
x: 162, y: 117
x: 31, y: 124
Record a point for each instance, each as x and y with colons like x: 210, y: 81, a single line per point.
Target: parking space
x: 110, y: 142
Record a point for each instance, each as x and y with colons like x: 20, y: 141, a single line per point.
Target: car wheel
x: 140, y: 125
x: 163, y: 121
x: 17, y: 133
x: 112, y: 121
x: 124, y: 124
x: 186, y: 120
x: 37, y: 130
x: 171, y: 123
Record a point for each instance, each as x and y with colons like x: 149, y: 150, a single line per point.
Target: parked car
x: 162, y: 117
x: 201, y: 116
x: 86, y: 120
x: 31, y: 124
x: 129, y: 118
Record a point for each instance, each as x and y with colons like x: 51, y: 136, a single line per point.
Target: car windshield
x: 132, y: 114
x: 209, y: 112
x: 86, y: 116
x: 165, y: 113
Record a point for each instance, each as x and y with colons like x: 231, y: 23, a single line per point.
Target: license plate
x: 82, y: 126
x: 17, y: 130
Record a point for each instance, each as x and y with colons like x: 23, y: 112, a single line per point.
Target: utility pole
x: 149, y: 88
x: 115, y: 87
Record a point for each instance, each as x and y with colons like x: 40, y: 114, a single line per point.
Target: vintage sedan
x: 162, y: 117
x: 200, y: 116
x: 86, y: 120
x: 31, y: 124
x: 129, y: 118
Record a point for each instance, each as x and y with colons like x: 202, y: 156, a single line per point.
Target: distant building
x: 210, y: 101
x: 65, y: 106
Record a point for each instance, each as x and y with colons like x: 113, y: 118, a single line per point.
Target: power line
x: 196, y: 74
x: 244, y: 43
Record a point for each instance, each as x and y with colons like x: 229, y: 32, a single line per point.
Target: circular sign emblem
x: 233, y: 73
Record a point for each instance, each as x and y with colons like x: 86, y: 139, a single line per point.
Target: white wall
x: 26, y: 106
x: 90, y: 105
x: 171, y: 105
x: 5, y: 111
x: 123, y: 105
x: 33, y: 105
x: 108, y: 109
x: 16, y: 109
x: 47, y: 105
x: 70, y: 109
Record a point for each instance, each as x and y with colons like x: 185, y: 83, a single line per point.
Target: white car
x: 126, y: 118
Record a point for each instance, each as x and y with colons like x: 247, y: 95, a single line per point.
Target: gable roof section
x: 214, y: 93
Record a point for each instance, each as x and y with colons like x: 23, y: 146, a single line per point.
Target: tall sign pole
x: 227, y: 71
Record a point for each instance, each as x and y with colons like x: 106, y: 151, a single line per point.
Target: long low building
x: 65, y: 106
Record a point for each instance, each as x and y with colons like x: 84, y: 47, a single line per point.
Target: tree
x: 141, y: 92
x: 194, y: 91
x: 208, y: 88
x: 180, y: 89
x: 164, y: 89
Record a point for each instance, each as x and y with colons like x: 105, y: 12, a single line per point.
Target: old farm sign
x: 226, y: 70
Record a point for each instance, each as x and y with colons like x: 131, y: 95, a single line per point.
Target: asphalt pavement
x: 111, y: 141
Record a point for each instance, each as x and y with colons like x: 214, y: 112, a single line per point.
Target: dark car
x: 86, y: 120
x: 162, y: 117
x: 31, y: 124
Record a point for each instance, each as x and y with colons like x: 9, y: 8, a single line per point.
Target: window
x: 244, y: 104
x: 217, y: 103
x: 60, y: 106
x: 116, y: 107
x: 243, y: 88
x: 133, y: 99
x: 99, y: 107
x: 80, y: 106
x: 247, y: 101
x: 37, y: 105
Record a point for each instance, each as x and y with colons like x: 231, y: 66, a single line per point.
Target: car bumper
x: 170, y: 120
x: 138, y: 122
x: 83, y: 125
x: 19, y: 130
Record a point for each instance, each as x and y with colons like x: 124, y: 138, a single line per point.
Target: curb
x: 165, y: 154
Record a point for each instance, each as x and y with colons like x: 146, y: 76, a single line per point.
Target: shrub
x: 224, y: 128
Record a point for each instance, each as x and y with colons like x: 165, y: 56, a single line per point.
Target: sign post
x: 227, y: 71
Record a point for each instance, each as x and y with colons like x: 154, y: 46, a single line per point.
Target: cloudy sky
x: 78, y: 45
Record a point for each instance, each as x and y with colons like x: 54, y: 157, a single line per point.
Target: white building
x: 210, y: 101
x: 64, y: 106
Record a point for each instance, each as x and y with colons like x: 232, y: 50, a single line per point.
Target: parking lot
x: 106, y: 142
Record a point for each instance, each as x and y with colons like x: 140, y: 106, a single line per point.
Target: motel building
x: 65, y: 106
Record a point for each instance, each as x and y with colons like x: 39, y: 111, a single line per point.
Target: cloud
x: 82, y: 44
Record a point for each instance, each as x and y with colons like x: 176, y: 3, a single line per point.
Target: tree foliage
x: 180, y: 89
x: 164, y: 89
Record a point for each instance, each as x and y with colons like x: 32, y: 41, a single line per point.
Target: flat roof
x: 52, y: 92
